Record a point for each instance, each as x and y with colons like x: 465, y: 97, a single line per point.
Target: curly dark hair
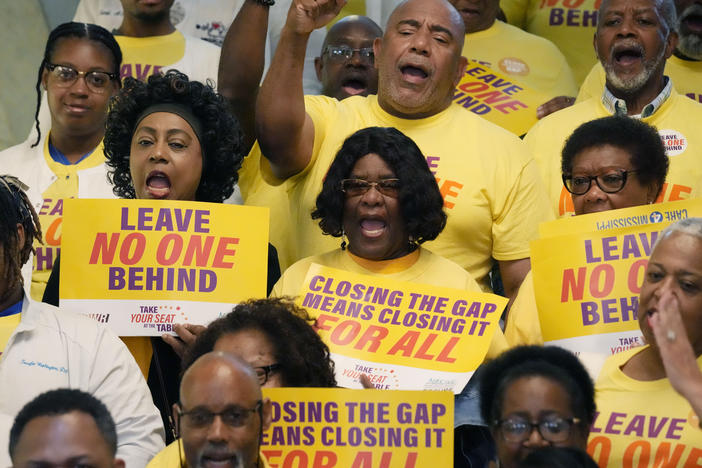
x: 302, y: 355
x: 221, y: 138
x: 420, y: 200
x: 639, y: 139
x: 550, y: 362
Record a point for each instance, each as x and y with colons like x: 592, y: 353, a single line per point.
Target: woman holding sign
x: 171, y: 139
x: 174, y: 139
x: 79, y: 73
x: 649, y: 398
x: 382, y: 200
x: 607, y: 164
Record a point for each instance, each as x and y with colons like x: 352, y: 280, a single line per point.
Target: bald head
x: 218, y: 368
x: 221, y: 413
x: 345, y: 65
x: 364, y: 24
x: 455, y: 21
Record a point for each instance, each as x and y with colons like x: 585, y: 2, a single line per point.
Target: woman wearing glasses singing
x: 79, y: 73
x: 608, y: 163
x: 380, y: 198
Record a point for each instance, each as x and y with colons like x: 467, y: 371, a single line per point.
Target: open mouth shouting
x: 221, y: 459
x: 627, y: 54
x: 372, y: 227
x: 354, y: 83
x: 158, y: 185
x: 415, y: 73
x: 691, y: 21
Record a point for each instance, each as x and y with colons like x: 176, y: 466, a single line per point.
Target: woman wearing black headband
x: 172, y: 138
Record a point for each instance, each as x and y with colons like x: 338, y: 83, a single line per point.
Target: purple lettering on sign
x: 124, y: 220
x: 202, y: 220
x: 609, y: 308
x: 144, y: 217
x: 608, y: 248
x: 589, y: 256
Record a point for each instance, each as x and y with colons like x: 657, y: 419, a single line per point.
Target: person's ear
x: 44, y: 78
x: 460, y: 70
x: 652, y: 192
x: 118, y: 463
x: 175, y: 411
x: 671, y: 43
x: 377, y: 50
x: 318, y: 66
x: 266, y: 415
x: 21, y: 237
x: 594, y: 45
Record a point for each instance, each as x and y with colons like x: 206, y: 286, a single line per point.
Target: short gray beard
x: 690, y: 45
x: 635, y: 83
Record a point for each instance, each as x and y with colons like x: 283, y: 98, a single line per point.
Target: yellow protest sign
x: 498, y: 98
x: 401, y: 335
x: 642, y: 215
x: 343, y: 428
x: 142, y: 265
x: 587, y: 287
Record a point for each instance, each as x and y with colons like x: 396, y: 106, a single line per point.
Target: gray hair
x: 666, y: 8
x: 690, y: 226
x: 670, y: 17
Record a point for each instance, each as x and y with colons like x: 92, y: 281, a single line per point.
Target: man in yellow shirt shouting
x: 633, y: 40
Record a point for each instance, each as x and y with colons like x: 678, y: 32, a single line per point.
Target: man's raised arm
x: 241, y: 64
x: 283, y: 129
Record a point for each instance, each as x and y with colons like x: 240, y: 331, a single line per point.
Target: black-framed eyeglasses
x: 232, y: 416
x: 342, y: 52
x: 552, y: 430
x: 96, y: 81
x: 357, y: 187
x: 611, y: 182
x: 264, y: 372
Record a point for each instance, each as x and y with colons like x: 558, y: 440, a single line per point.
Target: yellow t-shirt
x: 686, y: 76
x: 570, y: 24
x: 65, y: 185
x: 677, y: 121
x: 642, y: 424
x: 526, y: 58
x: 492, y: 193
x: 523, y: 326
x: 146, y: 56
x: 260, y: 188
x: 169, y: 457
x: 421, y: 266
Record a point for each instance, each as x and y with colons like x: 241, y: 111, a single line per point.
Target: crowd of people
x: 382, y: 174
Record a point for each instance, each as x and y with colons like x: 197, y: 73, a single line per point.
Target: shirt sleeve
x: 519, y: 208
x: 117, y: 381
